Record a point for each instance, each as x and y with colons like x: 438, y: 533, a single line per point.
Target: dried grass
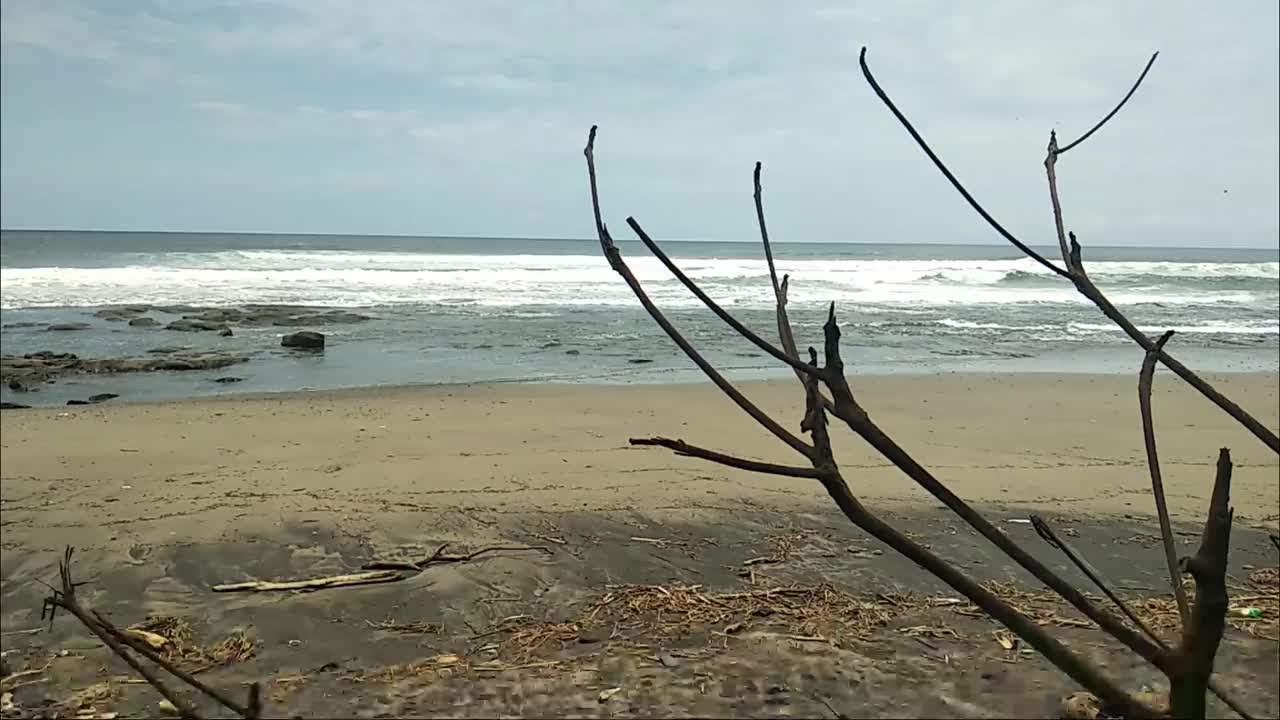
x: 675, y: 609
x: 181, y: 648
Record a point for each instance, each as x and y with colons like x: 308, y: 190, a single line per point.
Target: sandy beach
x: 163, y: 500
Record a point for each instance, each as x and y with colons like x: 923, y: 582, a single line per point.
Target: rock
x: 42, y: 367
x: 120, y: 314
x: 68, y: 327
x: 13, y: 406
x: 228, y: 380
x: 78, y: 402
x: 49, y: 355
x: 305, y: 340
x: 225, y: 332
x: 102, y: 397
x: 194, y: 325
x: 16, y: 386
x: 144, y: 322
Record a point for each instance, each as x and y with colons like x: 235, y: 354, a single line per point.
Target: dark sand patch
x: 436, y: 643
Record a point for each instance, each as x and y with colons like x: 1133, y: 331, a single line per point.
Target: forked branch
x: 1075, y: 271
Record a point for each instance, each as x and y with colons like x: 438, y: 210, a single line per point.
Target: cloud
x: 688, y: 95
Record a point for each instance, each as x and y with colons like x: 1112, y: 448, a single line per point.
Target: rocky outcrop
x: 195, y: 325
x: 68, y: 327
x: 305, y: 340
x: 45, y: 366
x: 194, y: 318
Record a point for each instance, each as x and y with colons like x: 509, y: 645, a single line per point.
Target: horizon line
x: 592, y: 239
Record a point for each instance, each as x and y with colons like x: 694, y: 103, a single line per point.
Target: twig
x: 1157, y: 484
x: 1200, y: 639
x: 439, y: 556
x: 946, y: 172
x: 1045, y: 531
x: 1076, y: 274
x: 1116, y: 109
x: 680, y: 447
x: 620, y: 266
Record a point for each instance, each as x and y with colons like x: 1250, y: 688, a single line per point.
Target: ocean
x: 459, y: 310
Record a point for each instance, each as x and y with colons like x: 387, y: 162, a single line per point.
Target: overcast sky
x: 468, y: 117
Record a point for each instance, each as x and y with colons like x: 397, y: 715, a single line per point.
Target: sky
x: 469, y: 117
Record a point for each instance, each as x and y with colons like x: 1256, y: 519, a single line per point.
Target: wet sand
x: 165, y: 500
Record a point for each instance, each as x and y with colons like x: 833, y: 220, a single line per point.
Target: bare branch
x: 1046, y: 532
x: 681, y: 447
x: 1200, y: 639
x: 65, y: 598
x: 848, y: 410
x: 1157, y: 483
x: 1075, y: 270
x: 1050, y: 170
x: 785, y: 335
x: 1116, y: 109
x: 866, y: 72
x: 1061, y: 657
x: 1086, y: 287
x: 720, y: 312
x: 146, y: 651
x: 620, y: 266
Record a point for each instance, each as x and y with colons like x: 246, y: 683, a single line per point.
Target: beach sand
x: 164, y: 500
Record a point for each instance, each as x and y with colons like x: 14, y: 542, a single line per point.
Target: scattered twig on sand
x: 440, y: 556
x: 333, y: 581
x: 129, y: 646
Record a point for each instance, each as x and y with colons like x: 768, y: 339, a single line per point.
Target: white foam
x: 339, y: 278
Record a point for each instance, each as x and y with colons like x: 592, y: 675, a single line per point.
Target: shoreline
x: 691, y: 377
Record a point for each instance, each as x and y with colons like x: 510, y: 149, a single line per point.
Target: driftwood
x: 1188, y: 667
x: 333, y: 581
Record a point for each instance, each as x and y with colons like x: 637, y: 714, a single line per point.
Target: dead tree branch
x: 1157, y: 483
x: 1045, y: 531
x: 821, y: 457
x: 614, y: 256
x: 121, y: 643
x: 684, y: 449
x: 1201, y: 637
x: 1075, y: 271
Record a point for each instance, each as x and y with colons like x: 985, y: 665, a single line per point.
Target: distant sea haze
x: 480, y: 309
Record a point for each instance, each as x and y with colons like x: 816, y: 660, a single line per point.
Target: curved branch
x: 1075, y: 271
x: 715, y: 307
x: 866, y: 72
x: 1157, y: 483
x: 1114, y: 110
x: 683, y: 448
